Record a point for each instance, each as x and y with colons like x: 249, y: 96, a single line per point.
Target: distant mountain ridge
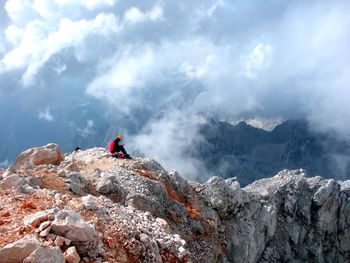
x: 250, y: 153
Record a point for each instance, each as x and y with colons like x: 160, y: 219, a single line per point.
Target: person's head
x: 119, y: 137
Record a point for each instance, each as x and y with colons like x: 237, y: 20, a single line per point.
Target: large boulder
x: 90, y: 202
x: 36, y: 219
x: 48, y: 154
x: 83, y: 235
x: 11, y: 181
x: 19, y: 250
x: 105, y: 185
x: 45, y: 255
x: 77, y: 183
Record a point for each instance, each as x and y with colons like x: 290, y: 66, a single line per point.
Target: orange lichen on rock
x: 174, y: 195
x: 29, y: 205
x: 147, y: 174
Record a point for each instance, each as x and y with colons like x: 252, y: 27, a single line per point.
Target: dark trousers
x: 120, y: 148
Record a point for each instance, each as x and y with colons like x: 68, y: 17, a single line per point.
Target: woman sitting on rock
x: 115, y: 148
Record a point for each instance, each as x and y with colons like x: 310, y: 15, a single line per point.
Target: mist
x: 173, y: 60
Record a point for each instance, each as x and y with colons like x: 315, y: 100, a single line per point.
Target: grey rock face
x: 345, y: 187
x: 344, y: 224
x: 290, y: 218
x: 324, y: 192
x: 144, y: 203
x: 224, y: 196
x: 180, y: 185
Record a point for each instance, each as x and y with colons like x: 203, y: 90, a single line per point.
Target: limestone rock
x: 11, y: 181
x: 62, y: 173
x: 90, y: 202
x: 44, y: 225
x: 105, y: 185
x: 70, y: 225
x: 45, y: 255
x: 45, y: 232
x: 19, y: 250
x: 181, y: 186
x: 60, y: 241
x: 51, y: 238
x: 224, y: 196
x: 144, y: 203
x: 164, y: 224
x: 324, y: 192
x: 48, y: 154
x: 36, y: 219
x: 145, y: 214
x: 77, y: 183
x: 71, y: 255
x: 345, y: 187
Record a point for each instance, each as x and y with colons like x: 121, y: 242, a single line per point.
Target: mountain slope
x: 87, y: 205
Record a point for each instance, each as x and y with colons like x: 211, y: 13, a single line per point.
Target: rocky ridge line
x: 88, y: 207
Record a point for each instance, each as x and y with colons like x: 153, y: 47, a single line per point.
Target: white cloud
x: 88, y: 130
x: 165, y: 141
x: 44, y: 8
x: 198, y: 71
x: 60, y: 68
x: 157, y: 13
x: 214, y: 7
x: 118, y: 81
x: 46, y: 116
x: 88, y: 4
x: 256, y: 60
x: 38, y: 44
x: 134, y: 15
x: 22, y: 10
x: 16, y: 9
x: 245, y: 59
x: 93, y: 4
x: 14, y: 34
x: 5, y: 163
x: 2, y: 47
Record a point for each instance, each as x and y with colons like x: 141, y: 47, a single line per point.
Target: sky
x: 274, y: 59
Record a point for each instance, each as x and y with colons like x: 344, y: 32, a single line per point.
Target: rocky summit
x: 86, y: 206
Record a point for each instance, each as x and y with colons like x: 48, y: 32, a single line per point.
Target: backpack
x: 111, y: 146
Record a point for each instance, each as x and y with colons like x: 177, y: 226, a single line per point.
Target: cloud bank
x: 231, y: 59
